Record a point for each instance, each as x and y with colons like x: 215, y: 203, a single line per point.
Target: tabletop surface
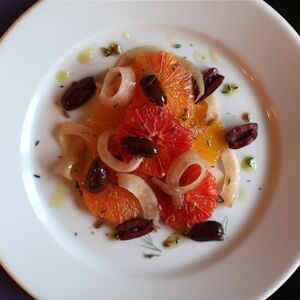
x: 10, y: 10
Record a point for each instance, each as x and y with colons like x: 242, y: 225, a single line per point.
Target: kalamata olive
x: 241, y: 136
x: 212, y: 80
x: 139, y: 146
x: 207, y: 231
x: 153, y: 90
x: 134, y: 228
x: 78, y: 93
x: 97, y: 177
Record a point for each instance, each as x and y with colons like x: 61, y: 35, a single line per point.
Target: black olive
x: 78, y: 93
x: 97, y: 177
x: 153, y: 90
x: 207, y: 231
x: 139, y: 146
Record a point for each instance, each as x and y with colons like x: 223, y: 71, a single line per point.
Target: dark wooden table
x: 9, y: 12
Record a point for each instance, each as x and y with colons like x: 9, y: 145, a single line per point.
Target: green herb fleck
x: 113, y: 48
x: 208, y: 142
x: 229, y: 88
x: 177, y: 46
x: 61, y: 86
x: 173, y: 240
x: 36, y: 176
x: 211, y: 122
x: 36, y: 143
x: 184, y: 117
x: 149, y: 244
x: 249, y: 163
x: 247, y: 117
x: 151, y: 255
x: 92, y: 232
x: 220, y: 199
x: 191, y: 45
x: 248, y: 180
x: 97, y: 224
x: 112, y: 236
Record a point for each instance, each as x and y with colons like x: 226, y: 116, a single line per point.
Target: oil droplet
x: 60, y: 194
x: 199, y: 57
x: 243, y: 194
x: 125, y: 36
x: 173, y: 240
x: 85, y: 55
x: 62, y: 75
x: 214, y: 56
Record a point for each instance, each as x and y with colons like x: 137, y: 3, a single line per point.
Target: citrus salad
x: 154, y: 149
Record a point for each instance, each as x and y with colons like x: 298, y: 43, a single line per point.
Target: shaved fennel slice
x: 116, y: 92
x: 143, y: 192
x: 232, y: 176
x: 73, y: 139
x: 218, y: 174
x: 176, y: 170
x: 110, y: 160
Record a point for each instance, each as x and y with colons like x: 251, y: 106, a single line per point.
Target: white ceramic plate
x: 257, y: 49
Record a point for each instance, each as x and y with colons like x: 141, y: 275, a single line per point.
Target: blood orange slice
x: 198, y: 204
x: 160, y: 127
x: 114, y: 203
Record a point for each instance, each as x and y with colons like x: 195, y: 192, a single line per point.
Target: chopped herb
x: 228, y: 180
x: 97, y: 224
x: 173, y: 240
x: 61, y: 86
x: 208, y: 142
x: 211, y: 122
x: 112, y: 236
x: 247, y: 117
x: 184, y: 117
x: 229, y: 88
x: 75, y: 233
x: 36, y: 176
x: 248, y: 180
x: 191, y: 45
x: 149, y: 244
x: 92, y: 232
x: 174, y: 67
x: 151, y: 255
x: 220, y: 199
x: 212, y: 166
x: 249, y: 163
x: 36, y: 143
x: 65, y: 114
x: 177, y: 46
x: 113, y: 48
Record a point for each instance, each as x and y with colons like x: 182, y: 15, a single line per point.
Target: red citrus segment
x: 159, y: 126
x: 197, y: 206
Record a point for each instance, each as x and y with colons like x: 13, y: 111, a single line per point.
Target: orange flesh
x: 116, y: 204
